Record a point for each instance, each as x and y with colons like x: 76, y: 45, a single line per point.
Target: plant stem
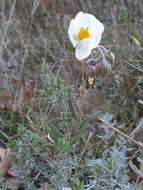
x: 82, y: 97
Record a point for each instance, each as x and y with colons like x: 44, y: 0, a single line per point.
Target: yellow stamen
x: 91, y: 80
x: 83, y: 33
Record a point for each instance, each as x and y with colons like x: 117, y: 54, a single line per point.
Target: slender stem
x: 83, y: 92
x: 82, y: 97
x: 8, y: 25
x: 132, y: 65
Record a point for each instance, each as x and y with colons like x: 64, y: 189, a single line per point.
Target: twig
x: 91, y: 116
x: 121, y: 133
x: 132, y: 65
x: 7, y: 27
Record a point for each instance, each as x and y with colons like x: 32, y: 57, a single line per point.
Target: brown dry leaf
x: 21, y: 96
x: 6, y: 169
x: 45, y: 3
x: 6, y: 160
x: 12, y: 183
x: 44, y: 186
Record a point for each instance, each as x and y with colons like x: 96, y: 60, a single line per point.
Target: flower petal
x: 85, y: 44
x: 72, y: 31
x: 81, y: 53
x: 84, y: 48
x: 74, y: 24
x: 95, y: 41
x: 82, y: 20
x: 95, y: 26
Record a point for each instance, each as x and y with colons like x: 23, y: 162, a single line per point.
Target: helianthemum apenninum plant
x: 85, y: 33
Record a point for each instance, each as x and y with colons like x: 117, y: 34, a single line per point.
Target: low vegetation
x: 67, y: 124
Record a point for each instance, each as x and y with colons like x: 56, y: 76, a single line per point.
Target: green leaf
x: 54, y: 133
x: 109, y: 164
x: 78, y: 185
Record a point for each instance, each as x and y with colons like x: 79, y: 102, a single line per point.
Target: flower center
x: 83, y: 33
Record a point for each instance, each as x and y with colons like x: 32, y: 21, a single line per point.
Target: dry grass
x: 35, y: 46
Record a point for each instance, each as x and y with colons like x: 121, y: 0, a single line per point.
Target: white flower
x: 85, y: 33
